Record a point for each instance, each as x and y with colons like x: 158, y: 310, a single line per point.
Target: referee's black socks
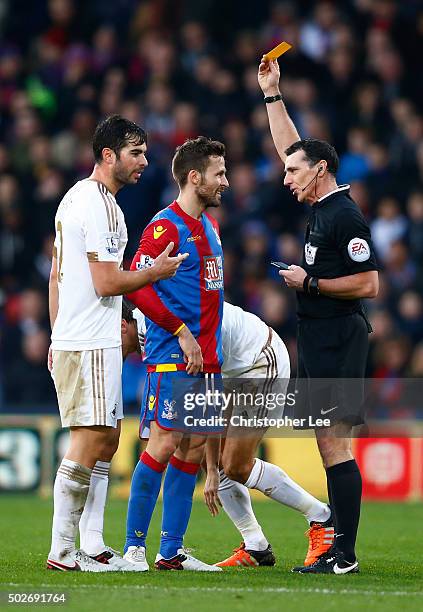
x: 344, y: 487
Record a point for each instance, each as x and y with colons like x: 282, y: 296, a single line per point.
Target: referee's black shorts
x: 332, y: 355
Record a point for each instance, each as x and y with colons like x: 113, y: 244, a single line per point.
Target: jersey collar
x: 340, y: 189
x: 181, y: 213
x: 108, y: 192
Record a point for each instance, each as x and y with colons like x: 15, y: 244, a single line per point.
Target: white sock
x: 70, y: 493
x: 92, y: 519
x: 276, y: 484
x: 236, y: 502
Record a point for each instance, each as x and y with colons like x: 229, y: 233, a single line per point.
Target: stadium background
x: 182, y: 68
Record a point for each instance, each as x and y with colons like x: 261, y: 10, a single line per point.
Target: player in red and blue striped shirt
x: 183, y: 351
x: 193, y: 298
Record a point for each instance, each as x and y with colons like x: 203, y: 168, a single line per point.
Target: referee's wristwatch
x: 270, y: 99
x: 311, y: 285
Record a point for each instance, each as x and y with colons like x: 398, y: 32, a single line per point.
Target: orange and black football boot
x: 243, y: 557
x: 321, y: 536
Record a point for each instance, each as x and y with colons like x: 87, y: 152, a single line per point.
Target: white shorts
x: 267, y: 379
x: 89, y: 386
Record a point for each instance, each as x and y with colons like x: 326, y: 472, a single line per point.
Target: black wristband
x: 270, y: 99
x: 305, y: 284
x: 313, y: 287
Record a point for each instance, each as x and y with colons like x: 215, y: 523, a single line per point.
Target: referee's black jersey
x: 337, y: 243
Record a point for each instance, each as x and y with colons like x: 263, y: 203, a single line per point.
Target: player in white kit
x: 255, y: 353
x: 85, y: 359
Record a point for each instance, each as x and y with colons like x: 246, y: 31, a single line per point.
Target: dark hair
x: 114, y: 133
x: 314, y: 151
x: 127, y: 309
x: 194, y: 155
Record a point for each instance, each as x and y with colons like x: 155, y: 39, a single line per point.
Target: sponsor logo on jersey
x: 112, y: 245
x: 193, y: 238
x: 146, y: 261
x: 310, y: 253
x: 158, y: 231
x: 213, y: 272
x: 358, y: 249
x: 169, y: 411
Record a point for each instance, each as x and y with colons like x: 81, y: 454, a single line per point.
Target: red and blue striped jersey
x: 194, y: 296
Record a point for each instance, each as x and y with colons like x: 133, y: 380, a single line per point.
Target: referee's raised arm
x: 284, y: 132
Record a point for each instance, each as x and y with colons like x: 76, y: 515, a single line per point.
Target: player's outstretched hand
x: 191, y: 350
x: 165, y: 266
x: 210, y: 491
x: 268, y: 77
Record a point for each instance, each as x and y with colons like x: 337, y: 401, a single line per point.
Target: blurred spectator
x: 42, y: 263
x: 244, y: 196
x: 354, y: 163
x: 383, y: 325
x: 317, y: 35
x: 159, y: 117
x: 255, y: 247
x: 276, y: 308
x: 27, y: 380
x: 389, y: 226
x: 368, y: 109
x: 410, y: 315
x: 27, y: 315
x: 391, y: 357
x: 185, y: 123
x: 380, y: 179
x: 401, y: 269
x: 405, y: 142
x: 195, y: 44
x: 104, y: 48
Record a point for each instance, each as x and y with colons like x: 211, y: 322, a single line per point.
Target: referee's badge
x: 358, y: 249
x: 310, y: 253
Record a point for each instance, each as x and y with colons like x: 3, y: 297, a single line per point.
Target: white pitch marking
x: 145, y: 587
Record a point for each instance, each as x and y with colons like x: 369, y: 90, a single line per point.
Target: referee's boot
x: 332, y: 562
x: 321, y: 537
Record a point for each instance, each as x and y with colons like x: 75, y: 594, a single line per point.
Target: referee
x: 338, y: 269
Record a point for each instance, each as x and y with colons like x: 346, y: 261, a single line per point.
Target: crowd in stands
x: 182, y: 68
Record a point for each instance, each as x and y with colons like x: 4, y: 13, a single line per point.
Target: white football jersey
x: 90, y: 226
x: 243, y: 337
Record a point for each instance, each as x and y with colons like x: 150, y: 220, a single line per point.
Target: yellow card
x: 282, y: 48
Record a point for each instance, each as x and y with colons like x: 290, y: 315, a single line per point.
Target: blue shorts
x: 177, y: 401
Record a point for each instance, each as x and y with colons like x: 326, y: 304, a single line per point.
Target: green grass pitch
x: 390, y: 552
